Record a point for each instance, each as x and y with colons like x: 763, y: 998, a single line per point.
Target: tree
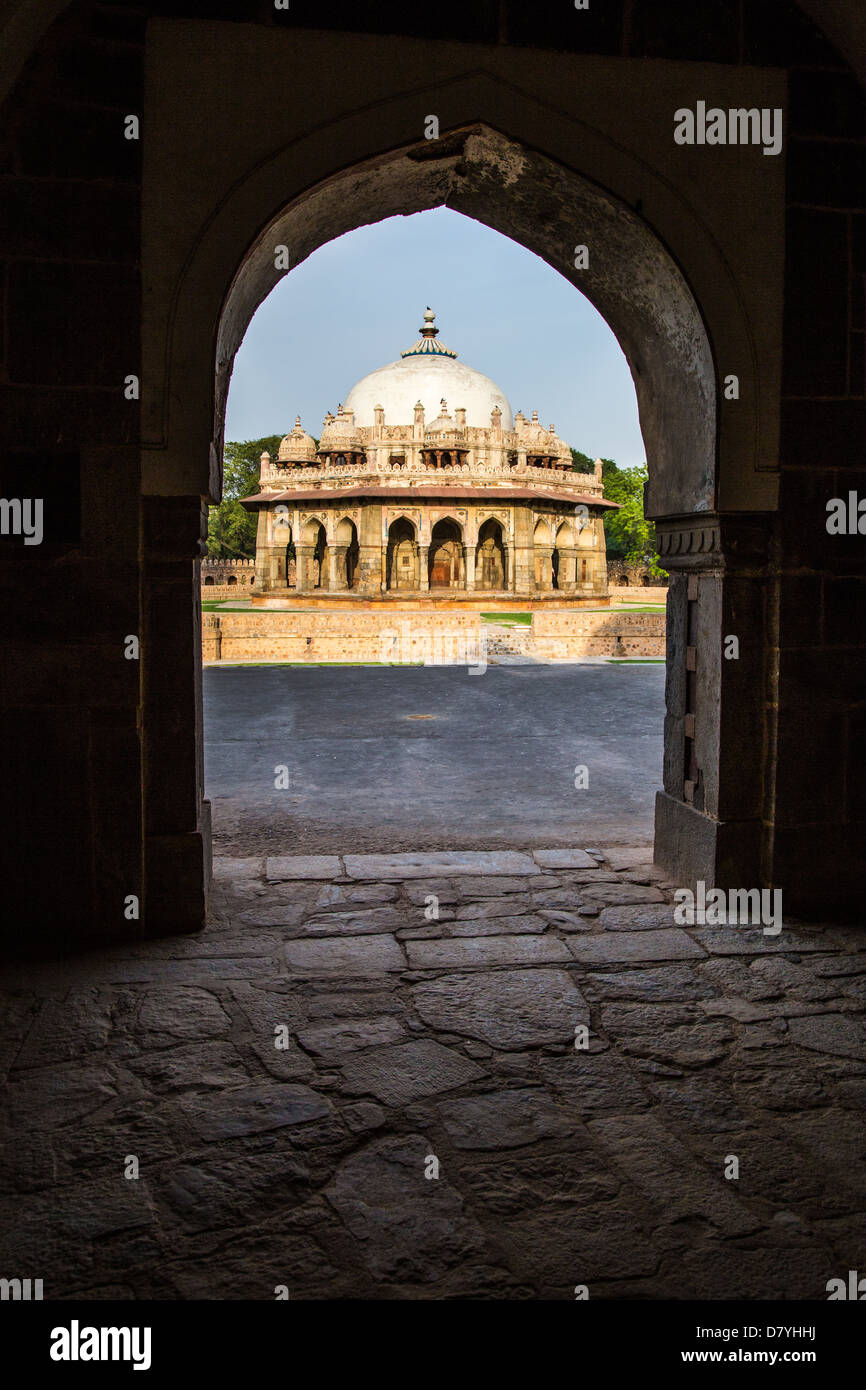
x: 630, y: 536
x: 232, y: 527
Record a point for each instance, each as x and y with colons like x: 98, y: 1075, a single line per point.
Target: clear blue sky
x: 357, y: 301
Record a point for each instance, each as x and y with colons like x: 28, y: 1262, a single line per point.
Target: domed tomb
x: 427, y: 372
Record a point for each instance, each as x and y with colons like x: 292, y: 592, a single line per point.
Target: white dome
x: 427, y: 373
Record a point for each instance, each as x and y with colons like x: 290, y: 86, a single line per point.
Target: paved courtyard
x: 362, y: 1081
x: 431, y: 757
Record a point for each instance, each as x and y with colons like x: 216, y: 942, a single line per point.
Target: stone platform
x: 436, y: 636
x: 443, y: 601
x: 291, y: 1081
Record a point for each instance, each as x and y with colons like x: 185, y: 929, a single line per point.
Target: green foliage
x: 231, y: 526
x: 581, y: 463
x: 630, y: 536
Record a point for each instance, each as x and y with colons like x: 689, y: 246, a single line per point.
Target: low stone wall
x: 629, y: 593
x: 219, y: 593
x: 434, y: 638
x: 565, y: 636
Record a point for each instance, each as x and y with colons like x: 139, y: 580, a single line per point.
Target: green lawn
x: 508, y: 619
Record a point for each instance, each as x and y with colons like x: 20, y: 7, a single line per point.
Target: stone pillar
x: 424, y: 568
x: 524, y: 551
x: 303, y: 556
x: 277, y: 566
x: 263, y: 563
x: 567, y: 568
x: 470, y: 567
x: 720, y: 713
x: 337, y: 574
x: 177, y: 847
x: 546, y: 553
x: 371, y: 552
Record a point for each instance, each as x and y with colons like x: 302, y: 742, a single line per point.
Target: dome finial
x: 427, y: 342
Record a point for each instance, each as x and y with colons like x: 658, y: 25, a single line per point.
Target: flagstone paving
x: 439, y: 1075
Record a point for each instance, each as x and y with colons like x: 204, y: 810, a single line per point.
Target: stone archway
x: 402, y: 555
x: 312, y: 556
x: 446, y: 559
x: 345, y: 554
x: 490, y: 564
x: 697, y: 456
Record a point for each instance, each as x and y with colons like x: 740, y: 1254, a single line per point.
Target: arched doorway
x: 312, y: 558
x: 665, y: 336
x: 490, y: 556
x: 564, y: 559
x: 345, y: 556
x: 543, y: 541
x: 402, y: 555
x: 446, y: 566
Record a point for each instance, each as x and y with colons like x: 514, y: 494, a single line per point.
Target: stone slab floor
x: 287, y: 1084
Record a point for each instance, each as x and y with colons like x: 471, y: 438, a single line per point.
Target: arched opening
x: 543, y: 541
x: 490, y: 567
x: 402, y: 555
x: 446, y: 561
x: 661, y: 330
x: 311, y: 560
x: 209, y: 579
x: 564, y: 576
x: 232, y: 579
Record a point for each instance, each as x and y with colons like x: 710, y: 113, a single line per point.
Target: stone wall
x: 628, y: 593
x: 564, y: 636
x: 221, y: 593
x: 403, y: 637
x: 128, y: 815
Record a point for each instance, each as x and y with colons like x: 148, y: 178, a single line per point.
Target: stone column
x: 370, y: 572
x: 303, y: 556
x: 470, y: 567
x: 524, y: 551
x: 424, y: 568
x: 263, y: 563
x: 710, y: 817
x: 567, y: 568
x: 177, y: 847
x: 337, y: 574
x: 546, y: 553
